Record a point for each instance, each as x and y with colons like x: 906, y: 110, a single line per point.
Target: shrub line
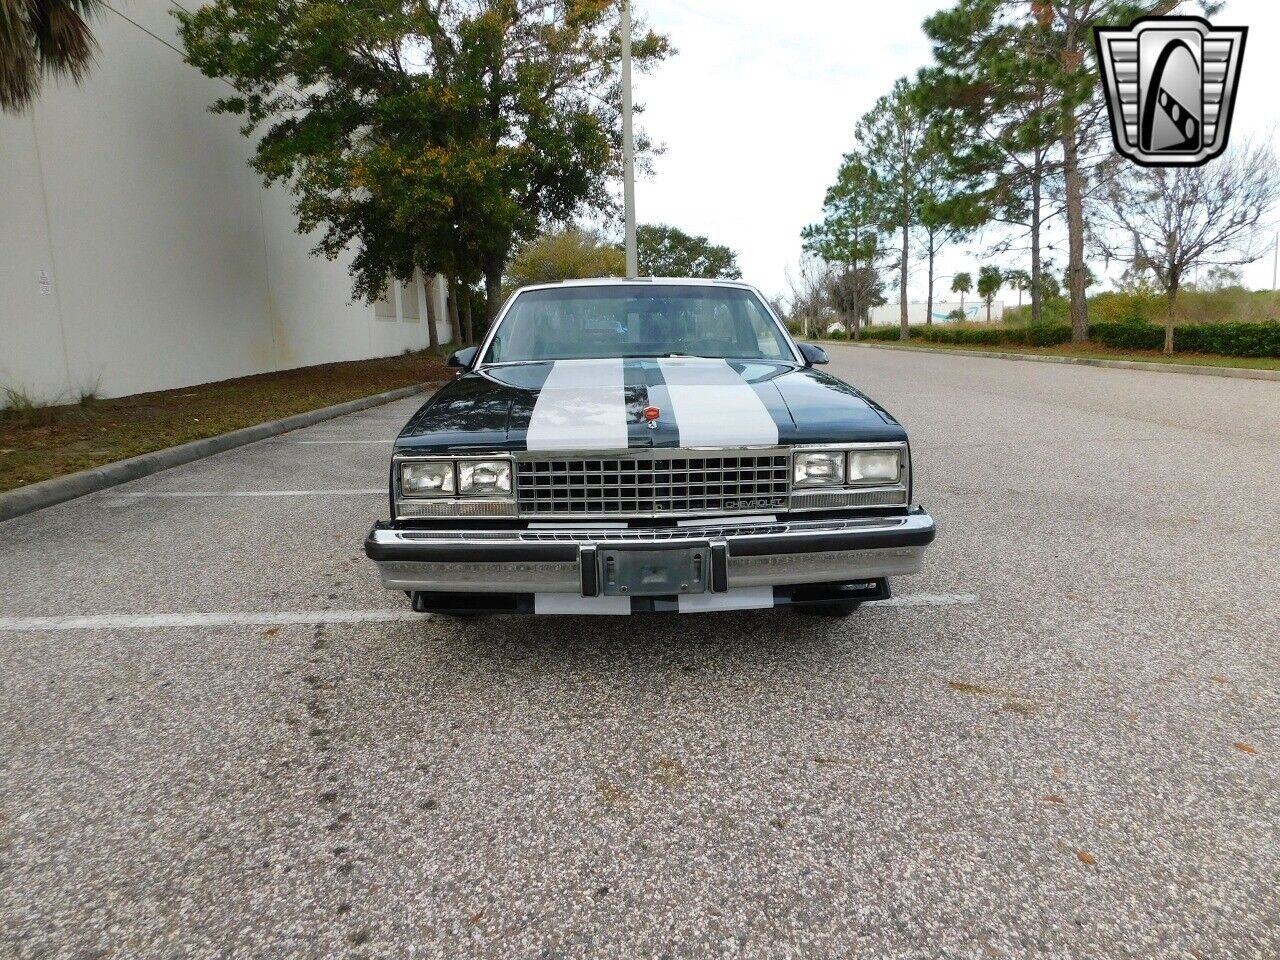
x: 1226, y: 339
x: 1240, y: 373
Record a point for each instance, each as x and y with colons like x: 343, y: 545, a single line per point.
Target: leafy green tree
x: 948, y: 209
x: 42, y: 38
x: 849, y: 236
x: 997, y: 92
x: 990, y: 280
x: 961, y: 283
x: 892, y: 137
x: 1004, y: 45
x: 670, y: 252
x: 429, y: 134
x: 571, y: 253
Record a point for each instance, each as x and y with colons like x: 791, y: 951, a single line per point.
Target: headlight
x: 868, y: 467
x: 427, y: 478
x: 477, y: 478
x: 818, y: 468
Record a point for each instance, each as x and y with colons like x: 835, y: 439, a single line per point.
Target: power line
x: 153, y: 36
x: 180, y: 53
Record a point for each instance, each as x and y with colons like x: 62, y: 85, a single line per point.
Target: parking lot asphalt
x: 1061, y: 739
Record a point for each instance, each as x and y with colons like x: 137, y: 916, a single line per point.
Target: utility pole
x: 628, y: 149
x: 1275, y: 263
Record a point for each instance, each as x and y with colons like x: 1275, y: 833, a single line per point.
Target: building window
x: 383, y: 307
x: 409, y: 300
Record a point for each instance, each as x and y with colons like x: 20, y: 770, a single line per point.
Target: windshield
x: 637, y: 320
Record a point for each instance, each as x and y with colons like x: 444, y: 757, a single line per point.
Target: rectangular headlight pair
x: 451, y: 478
x: 846, y: 468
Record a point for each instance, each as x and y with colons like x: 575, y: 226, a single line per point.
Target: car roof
x: 621, y: 281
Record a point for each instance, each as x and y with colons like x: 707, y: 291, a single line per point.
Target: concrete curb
x: 1238, y: 373
x: 46, y: 493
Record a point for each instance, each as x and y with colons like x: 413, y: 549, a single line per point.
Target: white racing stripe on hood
x: 713, y: 406
x: 580, y: 407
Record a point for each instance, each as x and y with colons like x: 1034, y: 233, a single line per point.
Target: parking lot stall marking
x: 740, y: 598
x: 284, y: 618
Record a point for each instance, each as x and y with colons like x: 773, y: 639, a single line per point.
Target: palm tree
x: 1020, y: 280
x: 961, y: 283
x: 40, y: 38
x: 990, y: 280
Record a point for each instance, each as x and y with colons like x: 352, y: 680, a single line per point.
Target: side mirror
x: 464, y: 357
x: 813, y: 354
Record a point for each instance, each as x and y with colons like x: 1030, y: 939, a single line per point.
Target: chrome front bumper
x: 562, y: 559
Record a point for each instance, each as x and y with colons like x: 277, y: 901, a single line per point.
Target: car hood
x: 585, y: 405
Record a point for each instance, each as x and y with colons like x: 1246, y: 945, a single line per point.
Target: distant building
x: 139, y: 252
x: 975, y: 311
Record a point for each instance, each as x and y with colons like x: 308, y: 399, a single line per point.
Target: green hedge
x: 1044, y: 335
x: 1228, y: 339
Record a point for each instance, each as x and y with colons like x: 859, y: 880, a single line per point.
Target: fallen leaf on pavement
x: 1244, y: 747
x: 270, y: 631
x: 1051, y: 798
x: 1086, y: 857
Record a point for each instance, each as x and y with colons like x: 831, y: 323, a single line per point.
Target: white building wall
x: 975, y: 311
x: 139, y: 252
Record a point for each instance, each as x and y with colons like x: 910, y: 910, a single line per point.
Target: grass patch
x: 39, y: 442
x: 1092, y: 351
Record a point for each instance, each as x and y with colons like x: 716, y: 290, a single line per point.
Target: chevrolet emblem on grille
x: 1170, y: 84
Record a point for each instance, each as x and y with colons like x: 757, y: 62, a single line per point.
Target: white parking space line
x: 247, y: 618
x: 184, y: 494
x: 928, y: 600
x: 286, y: 618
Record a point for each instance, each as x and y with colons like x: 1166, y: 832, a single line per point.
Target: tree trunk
x: 466, y: 315
x: 988, y: 309
x: 1169, y: 317
x: 1036, y: 277
x: 905, y: 333
x: 1075, y: 231
x: 455, y: 324
x: 492, y: 291
x: 433, y: 336
x: 928, y: 310
x: 962, y: 301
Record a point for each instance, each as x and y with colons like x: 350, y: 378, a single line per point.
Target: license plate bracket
x: 629, y: 572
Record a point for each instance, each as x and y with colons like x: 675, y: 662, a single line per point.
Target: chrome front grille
x: 661, y: 483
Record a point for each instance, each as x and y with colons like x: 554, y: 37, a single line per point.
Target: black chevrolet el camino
x: 646, y: 445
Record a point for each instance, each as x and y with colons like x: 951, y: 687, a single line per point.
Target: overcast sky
x: 758, y: 106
